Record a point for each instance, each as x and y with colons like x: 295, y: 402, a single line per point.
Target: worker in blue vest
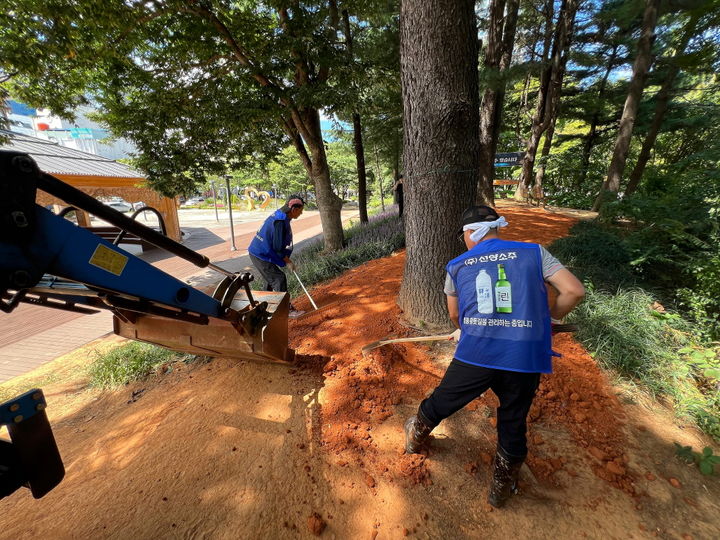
x: 497, y: 297
x: 272, y: 246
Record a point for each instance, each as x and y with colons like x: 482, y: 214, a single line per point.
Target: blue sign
x: 509, y: 159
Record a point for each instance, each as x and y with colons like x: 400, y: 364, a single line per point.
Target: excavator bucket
x: 260, y: 333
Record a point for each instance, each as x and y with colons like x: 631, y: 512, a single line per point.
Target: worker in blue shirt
x: 497, y: 297
x: 272, y: 246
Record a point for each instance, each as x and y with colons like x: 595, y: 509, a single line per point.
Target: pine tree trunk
x: 501, y: 41
x: 357, y: 131
x: 488, y: 110
x: 661, y: 106
x: 549, y: 94
x: 329, y: 204
x: 360, y: 160
x: 531, y: 144
x: 538, y: 193
x: 611, y: 185
x: 379, y: 180
x: 662, y: 100
x: 439, y: 51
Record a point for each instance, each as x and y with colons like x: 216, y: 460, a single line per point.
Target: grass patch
x: 654, y: 349
x: 624, y: 327
x: 131, y: 362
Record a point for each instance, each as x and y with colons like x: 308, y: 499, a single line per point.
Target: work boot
x: 416, y: 434
x: 505, y: 475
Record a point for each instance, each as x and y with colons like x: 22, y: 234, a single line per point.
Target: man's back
x: 503, y: 310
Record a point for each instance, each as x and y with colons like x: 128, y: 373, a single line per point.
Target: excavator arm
x: 49, y: 261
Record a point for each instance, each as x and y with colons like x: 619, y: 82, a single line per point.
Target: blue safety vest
x: 262, y: 245
x: 503, y: 327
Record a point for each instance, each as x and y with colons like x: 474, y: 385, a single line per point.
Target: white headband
x: 481, y: 228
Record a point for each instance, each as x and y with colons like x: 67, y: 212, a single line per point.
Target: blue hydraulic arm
x: 60, y: 248
x: 47, y: 260
x: 35, y: 242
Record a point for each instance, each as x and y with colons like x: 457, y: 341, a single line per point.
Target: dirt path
x: 254, y: 450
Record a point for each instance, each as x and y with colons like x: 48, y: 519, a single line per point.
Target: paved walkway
x: 32, y: 335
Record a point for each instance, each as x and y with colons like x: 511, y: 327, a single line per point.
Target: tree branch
x: 198, y: 8
x: 289, y: 128
x: 302, y: 70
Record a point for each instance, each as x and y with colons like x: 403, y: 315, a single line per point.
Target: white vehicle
x: 120, y: 206
x: 194, y: 201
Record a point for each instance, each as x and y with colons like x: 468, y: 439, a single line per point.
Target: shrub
x: 654, y: 348
x: 673, y: 240
x: 595, y: 253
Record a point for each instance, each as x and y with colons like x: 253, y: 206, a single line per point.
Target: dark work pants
x: 464, y: 382
x: 275, y: 278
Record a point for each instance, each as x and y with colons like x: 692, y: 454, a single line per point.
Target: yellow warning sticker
x: 109, y: 260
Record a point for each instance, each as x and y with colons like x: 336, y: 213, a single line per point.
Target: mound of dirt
x: 232, y: 449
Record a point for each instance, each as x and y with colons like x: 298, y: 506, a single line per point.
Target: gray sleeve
x: 550, y: 264
x: 449, y: 286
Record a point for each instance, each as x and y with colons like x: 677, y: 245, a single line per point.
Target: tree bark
x: 360, y: 160
x: 357, y: 133
x: 316, y: 165
x: 438, y: 66
x: 662, y: 100
x: 611, y: 185
x: 551, y: 81
x: 537, y: 189
x: 500, y: 44
x: 380, y: 180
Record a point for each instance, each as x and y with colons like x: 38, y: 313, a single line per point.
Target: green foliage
x: 673, y: 239
x: 705, y: 460
x: 201, y: 88
x: 130, y: 362
x: 624, y: 333
x: 645, y: 248
x: 287, y: 172
x: 595, y: 253
x: 704, y: 363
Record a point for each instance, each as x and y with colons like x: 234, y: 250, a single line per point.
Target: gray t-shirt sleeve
x: 550, y: 265
x: 449, y: 286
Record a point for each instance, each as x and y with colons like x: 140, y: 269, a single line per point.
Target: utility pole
x: 212, y: 184
x: 229, y: 203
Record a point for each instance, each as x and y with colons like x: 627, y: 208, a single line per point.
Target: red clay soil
x: 364, y: 391
x: 230, y: 449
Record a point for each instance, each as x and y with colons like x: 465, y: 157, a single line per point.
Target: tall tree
x: 551, y: 80
x: 357, y: 131
x: 643, y: 59
x: 439, y: 61
x: 372, y: 91
x: 662, y: 100
x: 200, y: 87
x: 498, y: 54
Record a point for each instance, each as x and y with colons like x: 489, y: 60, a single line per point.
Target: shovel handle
x: 376, y: 344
